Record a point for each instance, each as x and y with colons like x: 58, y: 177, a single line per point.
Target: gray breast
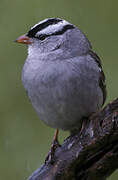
x: 63, y: 92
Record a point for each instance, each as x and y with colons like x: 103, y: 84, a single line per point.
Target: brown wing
x: 102, y: 76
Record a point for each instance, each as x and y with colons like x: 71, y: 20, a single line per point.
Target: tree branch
x: 91, y: 156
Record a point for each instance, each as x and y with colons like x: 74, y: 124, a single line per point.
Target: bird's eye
x: 42, y: 37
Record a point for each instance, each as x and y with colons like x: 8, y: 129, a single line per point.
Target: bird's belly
x: 62, y: 99
x: 64, y: 111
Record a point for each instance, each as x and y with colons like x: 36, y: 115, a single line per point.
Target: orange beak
x: 24, y: 39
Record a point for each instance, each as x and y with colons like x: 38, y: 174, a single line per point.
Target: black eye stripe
x: 42, y: 37
x: 64, y: 29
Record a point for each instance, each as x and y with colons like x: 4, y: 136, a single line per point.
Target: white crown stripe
x: 53, y: 28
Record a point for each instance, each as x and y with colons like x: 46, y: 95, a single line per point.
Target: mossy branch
x: 91, y: 156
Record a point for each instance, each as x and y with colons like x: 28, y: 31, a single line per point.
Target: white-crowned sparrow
x: 62, y: 75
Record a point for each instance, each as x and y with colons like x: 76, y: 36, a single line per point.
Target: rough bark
x: 93, y: 155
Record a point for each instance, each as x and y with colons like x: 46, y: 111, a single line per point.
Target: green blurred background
x: 24, y: 139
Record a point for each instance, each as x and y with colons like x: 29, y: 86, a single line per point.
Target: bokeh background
x: 24, y: 139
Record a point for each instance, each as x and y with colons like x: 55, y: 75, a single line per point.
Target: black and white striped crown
x: 48, y: 27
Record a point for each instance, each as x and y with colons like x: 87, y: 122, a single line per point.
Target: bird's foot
x: 54, y: 146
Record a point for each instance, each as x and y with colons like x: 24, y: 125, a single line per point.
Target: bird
x: 62, y: 75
